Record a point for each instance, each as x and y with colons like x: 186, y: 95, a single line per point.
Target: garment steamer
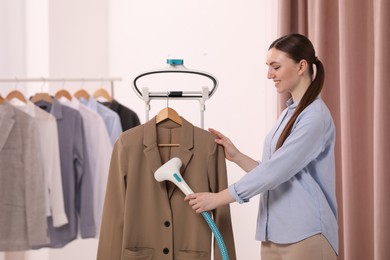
x: 170, y: 171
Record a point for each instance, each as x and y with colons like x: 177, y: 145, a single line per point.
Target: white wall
x: 78, y: 38
x: 228, y: 39
x: 12, y: 43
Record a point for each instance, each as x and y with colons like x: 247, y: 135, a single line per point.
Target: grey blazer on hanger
x: 22, y: 190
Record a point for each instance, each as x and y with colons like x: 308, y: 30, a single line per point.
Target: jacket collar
x: 56, y: 109
x: 114, y: 105
x: 151, y: 146
x: 7, y: 121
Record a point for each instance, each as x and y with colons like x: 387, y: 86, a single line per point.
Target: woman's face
x: 283, y: 70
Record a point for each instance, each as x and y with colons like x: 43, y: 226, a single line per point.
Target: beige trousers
x: 315, y: 247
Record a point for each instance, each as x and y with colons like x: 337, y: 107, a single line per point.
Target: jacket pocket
x: 138, y: 253
x: 190, y: 255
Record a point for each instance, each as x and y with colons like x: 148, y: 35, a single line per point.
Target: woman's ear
x: 302, y: 67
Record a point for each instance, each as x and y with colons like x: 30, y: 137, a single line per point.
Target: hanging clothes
x: 22, y: 193
x: 99, y: 153
x: 143, y: 218
x: 76, y: 177
x: 50, y: 154
x: 128, y: 117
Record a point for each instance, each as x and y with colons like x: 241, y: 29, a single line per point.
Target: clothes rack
x: 45, y: 79
x: 176, y: 66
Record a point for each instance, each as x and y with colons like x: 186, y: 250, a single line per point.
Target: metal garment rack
x: 44, y: 79
x: 176, y: 66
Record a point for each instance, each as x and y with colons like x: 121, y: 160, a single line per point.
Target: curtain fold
x: 381, y: 124
x: 352, y: 38
x: 356, y: 82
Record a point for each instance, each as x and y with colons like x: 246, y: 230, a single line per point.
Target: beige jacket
x: 145, y: 219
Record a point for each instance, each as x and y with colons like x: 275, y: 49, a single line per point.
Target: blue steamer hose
x: 217, y: 235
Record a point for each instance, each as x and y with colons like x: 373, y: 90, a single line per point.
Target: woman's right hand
x: 231, y: 152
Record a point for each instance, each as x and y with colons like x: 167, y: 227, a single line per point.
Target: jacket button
x: 166, y: 251
x: 167, y: 223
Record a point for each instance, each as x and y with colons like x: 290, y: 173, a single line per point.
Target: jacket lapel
x: 7, y: 122
x: 186, y: 145
x: 150, y: 145
x: 152, y: 153
x: 185, y: 153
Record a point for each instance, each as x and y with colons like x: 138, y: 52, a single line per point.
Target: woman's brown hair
x: 298, y: 48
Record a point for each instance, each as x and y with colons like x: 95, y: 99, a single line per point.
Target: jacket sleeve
x: 218, y: 182
x: 111, y: 232
x: 54, y: 164
x: 84, y: 187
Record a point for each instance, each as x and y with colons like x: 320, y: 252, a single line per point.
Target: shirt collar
x: 91, y: 103
x: 291, y: 104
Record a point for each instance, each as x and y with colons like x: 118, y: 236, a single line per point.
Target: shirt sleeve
x: 53, y: 160
x: 84, y: 184
x: 303, y: 145
x: 116, y: 129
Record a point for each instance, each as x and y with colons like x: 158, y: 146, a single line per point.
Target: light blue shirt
x: 111, y: 118
x: 296, y: 183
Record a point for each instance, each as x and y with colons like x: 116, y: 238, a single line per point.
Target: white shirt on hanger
x: 49, y: 149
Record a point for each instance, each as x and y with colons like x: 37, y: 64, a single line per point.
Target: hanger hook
x: 16, y: 83
x: 167, y: 98
x: 43, y: 84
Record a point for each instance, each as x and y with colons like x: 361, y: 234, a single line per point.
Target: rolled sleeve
x: 234, y: 194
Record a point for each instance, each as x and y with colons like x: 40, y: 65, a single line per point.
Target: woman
x: 297, y: 217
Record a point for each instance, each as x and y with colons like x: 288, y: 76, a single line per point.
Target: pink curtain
x: 352, y: 38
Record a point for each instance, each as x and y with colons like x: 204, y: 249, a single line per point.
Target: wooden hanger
x: 63, y: 93
x: 81, y: 93
x: 42, y: 97
x: 16, y: 94
x: 101, y: 92
x: 168, y: 145
x: 2, y: 100
x: 168, y: 114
